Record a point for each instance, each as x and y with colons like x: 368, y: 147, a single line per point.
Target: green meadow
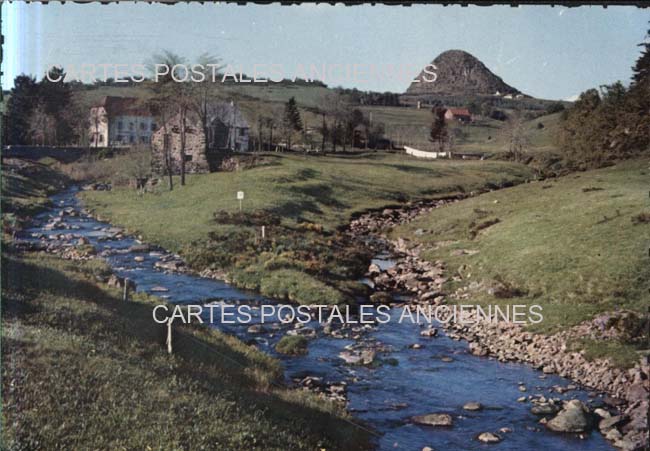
x: 577, y: 245
x: 312, y: 196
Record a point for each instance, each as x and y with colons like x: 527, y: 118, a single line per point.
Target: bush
x: 118, y: 169
x: 292, y: 345
x: 555, y: 108
x: 641, y: 218
x: 498, y: 115
x: 254, y: 218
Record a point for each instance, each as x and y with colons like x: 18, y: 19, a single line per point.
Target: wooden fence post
x: 125, y: 294
x: 169, y: 336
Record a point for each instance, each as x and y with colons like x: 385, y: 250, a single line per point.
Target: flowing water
x: 438, y: 378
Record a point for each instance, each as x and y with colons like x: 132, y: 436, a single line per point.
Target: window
x: 120, y: 125
x: 130, y: 125
x: 131, y: 139
x: 188, y: 157
x: 144, y: 140
x: 153, y: 126
x: 143, y: 126
x: 101, y: 138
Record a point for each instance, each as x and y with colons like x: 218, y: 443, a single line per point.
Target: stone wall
x: 195, y: 157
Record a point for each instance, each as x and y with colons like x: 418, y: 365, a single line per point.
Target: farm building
x: 120, y: 121
x: 227, y: 131
x: 458, y: 114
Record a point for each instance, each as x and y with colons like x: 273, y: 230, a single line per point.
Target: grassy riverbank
x: 302, y: 200
x: 26, y: 186
x: 577, y: 245
x: 84, y: 370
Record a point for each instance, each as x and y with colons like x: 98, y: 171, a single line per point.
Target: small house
x: 458, y: 114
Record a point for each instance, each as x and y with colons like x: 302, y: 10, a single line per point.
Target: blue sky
x: 547, y: 52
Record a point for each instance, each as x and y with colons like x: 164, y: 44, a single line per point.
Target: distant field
x: 410, y: 126
x: 404, y: 126
x: 302, y: 265
x: 569, y: 244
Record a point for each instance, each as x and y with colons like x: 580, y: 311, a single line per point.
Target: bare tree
x: 163, y: 110
x: 336, y: 106
x: 515, y: 135
x: 176, y: 93
x: 203, y: 93
x: 95, y: 120
x: 42, y: 126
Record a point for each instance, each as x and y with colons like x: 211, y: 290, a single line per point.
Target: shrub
x: 641, y: 218
x: 555, y: 108
x: 292, y: 345
x: 254, y: 218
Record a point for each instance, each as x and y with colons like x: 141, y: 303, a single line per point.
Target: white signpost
x: 240, y: 197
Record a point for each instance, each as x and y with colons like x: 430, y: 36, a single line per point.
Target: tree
x: 137, y: 166
x: 324, y: 131
x: 474, y: 108
x: 486, y: 109
x: 203, y: 93
x: 291, y: 121
x: 42, y: 126
x: 336, y: 107
x: 270, y: 123
x: 641, y: 69
x: 56, y: 95
x: 515, y: 135
x: 22, y: 101
x: 163, y: 110
x: 179, y: 95
x: 438, y: 133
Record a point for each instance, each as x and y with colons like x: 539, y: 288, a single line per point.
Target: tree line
x: 43, y: 112
x: 612, y: 122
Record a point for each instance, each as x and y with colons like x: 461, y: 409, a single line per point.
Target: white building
x: 120, y: 121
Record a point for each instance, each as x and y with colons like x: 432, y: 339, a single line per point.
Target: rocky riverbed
x: 415, y: 385
x: 624, y: 420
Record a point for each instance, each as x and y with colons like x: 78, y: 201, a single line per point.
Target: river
x: 440, y: 377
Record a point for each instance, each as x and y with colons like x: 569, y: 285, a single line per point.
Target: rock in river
x: 429, y: 332
x: 574, y: 417
x: 488, y: 437
x: 473, y: 406
x: 365, y: 357
x: 433, y: 419
x: 256, y: 329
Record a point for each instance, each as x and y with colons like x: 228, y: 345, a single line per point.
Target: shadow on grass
x: 321, y: 193
x: 41, y: 295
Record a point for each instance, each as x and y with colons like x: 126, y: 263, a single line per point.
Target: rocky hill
x: 459, y: 74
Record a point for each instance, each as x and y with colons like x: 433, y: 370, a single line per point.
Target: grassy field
x: 311, y: 196
x: 410, y: 126
x: 84, y: 370
x: 576, y: 245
